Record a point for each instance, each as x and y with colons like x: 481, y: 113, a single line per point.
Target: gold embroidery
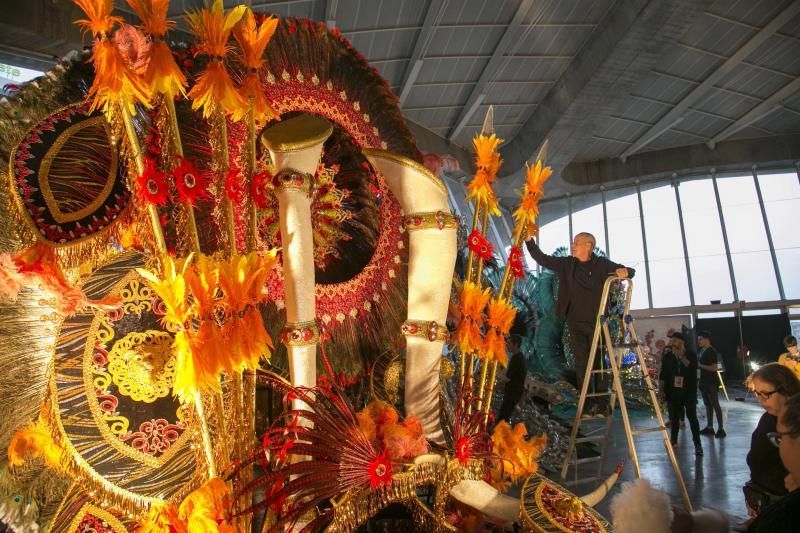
x: 53, y: 152
x: 104, y: 515
x: 101, y: 320
x: 24, y: 214
x: 142, y: 365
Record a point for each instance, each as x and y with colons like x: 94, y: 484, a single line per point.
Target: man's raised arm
x: 547, y: 261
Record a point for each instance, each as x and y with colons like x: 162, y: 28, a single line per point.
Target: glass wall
x: 751, y: 258
x: 659, y: 254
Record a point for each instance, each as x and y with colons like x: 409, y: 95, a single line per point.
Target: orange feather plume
x: 163, y: 76
x: 206, y: 509
x: 487, y: 161
x: 34, y: 440
x: 98, y: 12
x: 253, y: 40
x: 473, y: 299
x: 519, y: 455
x: 115, y: 81
x: 171, y: 288
x: 214, y: 87
x: 501, y: 316
x: 163, y: 519
x: 528, y: 210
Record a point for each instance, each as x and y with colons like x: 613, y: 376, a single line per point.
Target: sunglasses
x: 775, y: 437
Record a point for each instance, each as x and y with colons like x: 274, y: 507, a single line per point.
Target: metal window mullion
x: 769, y: 235
x: 605, y: 221
x: 505, y: 225
x: 644, y: 247
x: 500, y: 244
x: 569, y: 212
x: 676, y: 185
x: 724, y: 235
x: 538, y: 267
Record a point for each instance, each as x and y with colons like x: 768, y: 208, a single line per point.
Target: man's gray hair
x: 588, y: 236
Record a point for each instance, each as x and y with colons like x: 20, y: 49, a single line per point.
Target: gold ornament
x: 142, y: 365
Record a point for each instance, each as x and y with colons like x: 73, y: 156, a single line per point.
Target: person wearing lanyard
x: 709, y: 383
x: 678, y: 385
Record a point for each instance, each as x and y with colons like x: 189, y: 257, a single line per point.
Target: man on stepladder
x: 581, y: 277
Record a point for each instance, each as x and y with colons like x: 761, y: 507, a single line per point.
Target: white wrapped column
x: 295, y: 146
x: 432, y: 256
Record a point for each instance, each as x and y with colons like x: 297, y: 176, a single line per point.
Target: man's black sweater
x: 580, y: 285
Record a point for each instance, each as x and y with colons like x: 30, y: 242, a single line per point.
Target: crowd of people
x: 772, y: 494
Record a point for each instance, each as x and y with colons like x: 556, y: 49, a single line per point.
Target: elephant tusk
x: 597, y: 495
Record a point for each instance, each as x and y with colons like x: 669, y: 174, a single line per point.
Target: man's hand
x: 621, y: 272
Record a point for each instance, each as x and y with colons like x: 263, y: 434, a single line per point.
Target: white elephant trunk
x: 432, y: 255
x: 295, y: 146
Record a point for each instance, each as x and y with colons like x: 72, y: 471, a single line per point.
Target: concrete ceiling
x: 623, y: 89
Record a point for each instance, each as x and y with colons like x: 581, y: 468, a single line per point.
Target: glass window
x: 625, y: 239
x: 554, y: 226
x: 587, y: 215
x: 752, y: 260
x: 760, y: 312
x: 710, y: 276
x: 720, y: 314
x: 668, y: 280
x: 781, y: 194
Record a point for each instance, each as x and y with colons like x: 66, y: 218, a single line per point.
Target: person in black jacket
x: 772, y: 385
x: 678, y: 385
x: 580, y: 286
x: 709, y: 383
x: 515, y: 375
x: 783, y: 516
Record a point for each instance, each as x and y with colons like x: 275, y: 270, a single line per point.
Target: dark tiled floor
x: 714, y: 480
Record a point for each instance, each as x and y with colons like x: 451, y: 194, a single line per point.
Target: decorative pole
x: 474, y: 297
x: 501, y: 313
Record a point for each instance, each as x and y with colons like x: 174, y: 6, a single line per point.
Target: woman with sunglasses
x: 772, y: 385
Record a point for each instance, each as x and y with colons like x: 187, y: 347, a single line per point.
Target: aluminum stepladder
x: 615, y: 392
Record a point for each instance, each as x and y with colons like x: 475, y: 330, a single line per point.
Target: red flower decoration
x: 463, y: 450
x: 258, y: 190
x: 190, y: 183
x: 233, y: 188
x: 480, y: 245
x: 516, y: 263
x: 151, y: 184
x: 380, y: 471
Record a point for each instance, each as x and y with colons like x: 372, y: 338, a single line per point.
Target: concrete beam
x: 767, y: 152
x: 676, y: 114
x: 432, y: 16
x: 773, y: 103
x: 428, y: 141
x: 490, y: 70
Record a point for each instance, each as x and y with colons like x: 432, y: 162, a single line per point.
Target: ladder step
x: 626, y: 345
x: 585, y: 460
x: 604, y: 371
x: 598, y: 394
x: 596, y: 438
x: 647, y: 430
x: 583, y: 480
